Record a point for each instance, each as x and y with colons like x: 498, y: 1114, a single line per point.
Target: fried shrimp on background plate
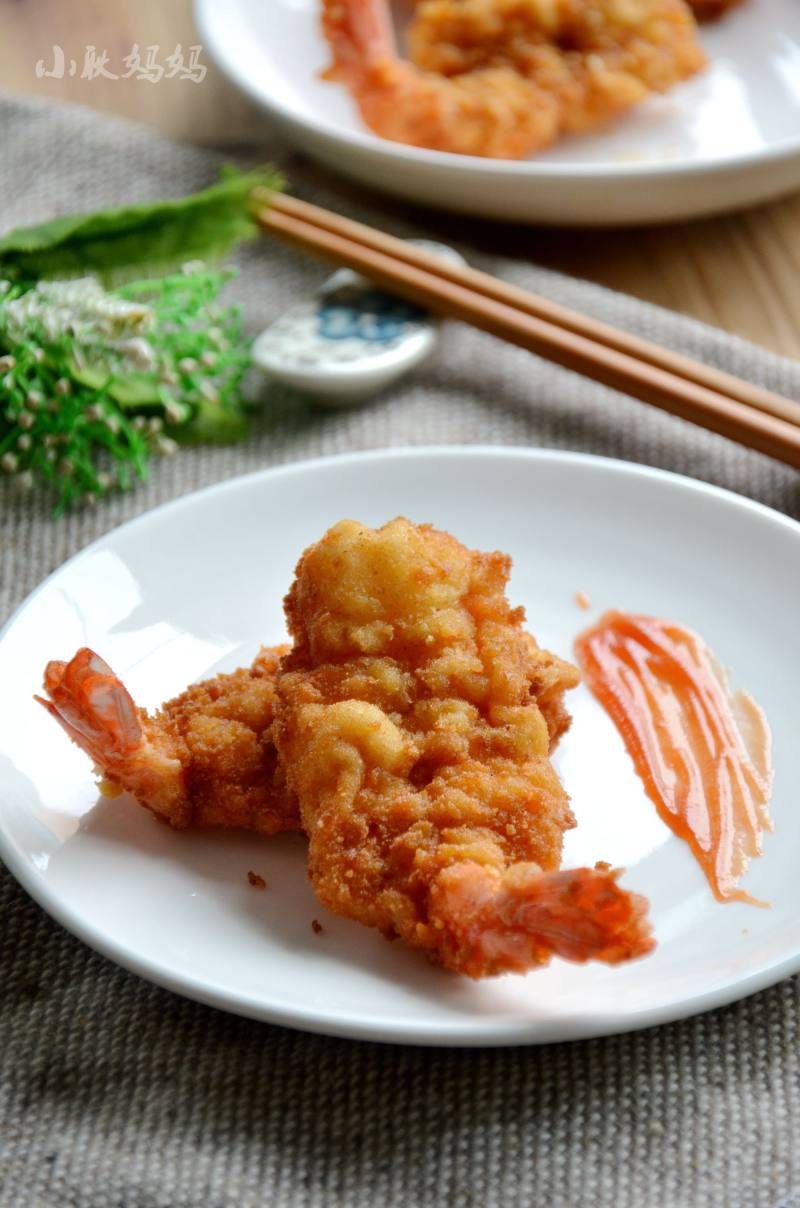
x: 204, y: 759
x: 491, y: 112
x: 408, y: 729
x: 597, y: 57
x: 505, y: 78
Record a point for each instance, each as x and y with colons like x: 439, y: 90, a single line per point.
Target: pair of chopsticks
x: 740, y: 410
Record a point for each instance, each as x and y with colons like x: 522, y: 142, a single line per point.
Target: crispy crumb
x: 256, y: 881
x: 316, y: 926
x: 582, y: 600
x: 107, y: 788
x: 603, y: 866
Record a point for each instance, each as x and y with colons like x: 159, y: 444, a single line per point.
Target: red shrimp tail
x: 583, y: 914
x: 93, y: 706
x: 512, y: 921
x: 359, y: 32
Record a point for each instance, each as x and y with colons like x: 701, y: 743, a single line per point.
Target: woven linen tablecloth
x: 116, y: 1094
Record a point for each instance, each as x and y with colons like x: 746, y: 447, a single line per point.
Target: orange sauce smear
x: 703, y: 756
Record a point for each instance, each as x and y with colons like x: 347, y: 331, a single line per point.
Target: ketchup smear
x: 703, y: 756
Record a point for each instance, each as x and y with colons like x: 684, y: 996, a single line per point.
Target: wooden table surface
x: 740, y: 272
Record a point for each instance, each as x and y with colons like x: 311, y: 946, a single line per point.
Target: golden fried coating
x: 596, y: 57
x: 204, y: 759
x: 549, y: 677
x: 220, y: 730
x: 409, y: 727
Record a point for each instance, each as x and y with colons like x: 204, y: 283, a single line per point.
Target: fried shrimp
x: 505, y: 78
x: 415, y: 737
x: 204, y: 759
x: 596, y: 57
x: 491, y: 112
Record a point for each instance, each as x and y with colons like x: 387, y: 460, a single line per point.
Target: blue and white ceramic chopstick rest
x: 349, y: 341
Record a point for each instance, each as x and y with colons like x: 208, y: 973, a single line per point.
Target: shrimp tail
x: 97, y: 712
x: 93, y: 706
x: 493, y: 921
x: 359, y: 32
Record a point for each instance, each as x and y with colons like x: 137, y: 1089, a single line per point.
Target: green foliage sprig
x: 96, y: 378
x: 94, y: 382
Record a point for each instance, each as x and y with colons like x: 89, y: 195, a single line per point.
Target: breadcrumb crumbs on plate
x: 316, y: 926
x: 256, y: 881
x: 582, y: 600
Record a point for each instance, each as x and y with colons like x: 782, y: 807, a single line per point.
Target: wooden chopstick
x: 542, y: 308
x: 772, y: 426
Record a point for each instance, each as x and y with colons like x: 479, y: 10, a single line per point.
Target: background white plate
x: 725, y: 139
x: 196, y: 586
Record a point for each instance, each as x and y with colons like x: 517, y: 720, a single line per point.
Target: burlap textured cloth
x: 115, y: 1094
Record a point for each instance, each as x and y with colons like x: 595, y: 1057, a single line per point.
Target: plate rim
x: 211, y: 26
x: 485, y: 1033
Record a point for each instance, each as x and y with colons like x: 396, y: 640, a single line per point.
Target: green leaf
x: 212, y: 425
x: 137, y: 240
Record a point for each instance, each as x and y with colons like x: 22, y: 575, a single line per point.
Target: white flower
x: 81, y: 308
x: 208, y: 391
x: 174, y: 413
x: 138, y: 352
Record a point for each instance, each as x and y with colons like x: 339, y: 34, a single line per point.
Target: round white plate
x: 728, y: 138
x: 196, y: 586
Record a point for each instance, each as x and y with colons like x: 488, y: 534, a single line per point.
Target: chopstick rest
x: 350, y: 340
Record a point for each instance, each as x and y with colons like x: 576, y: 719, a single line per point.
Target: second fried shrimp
x: 408, y: 729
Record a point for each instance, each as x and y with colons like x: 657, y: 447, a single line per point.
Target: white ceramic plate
x: 196, y: 586
x: 725, y: 139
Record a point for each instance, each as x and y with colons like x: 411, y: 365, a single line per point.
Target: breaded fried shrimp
x: 410, y: 729
x: 204, y: 759
x: 506, y: 78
